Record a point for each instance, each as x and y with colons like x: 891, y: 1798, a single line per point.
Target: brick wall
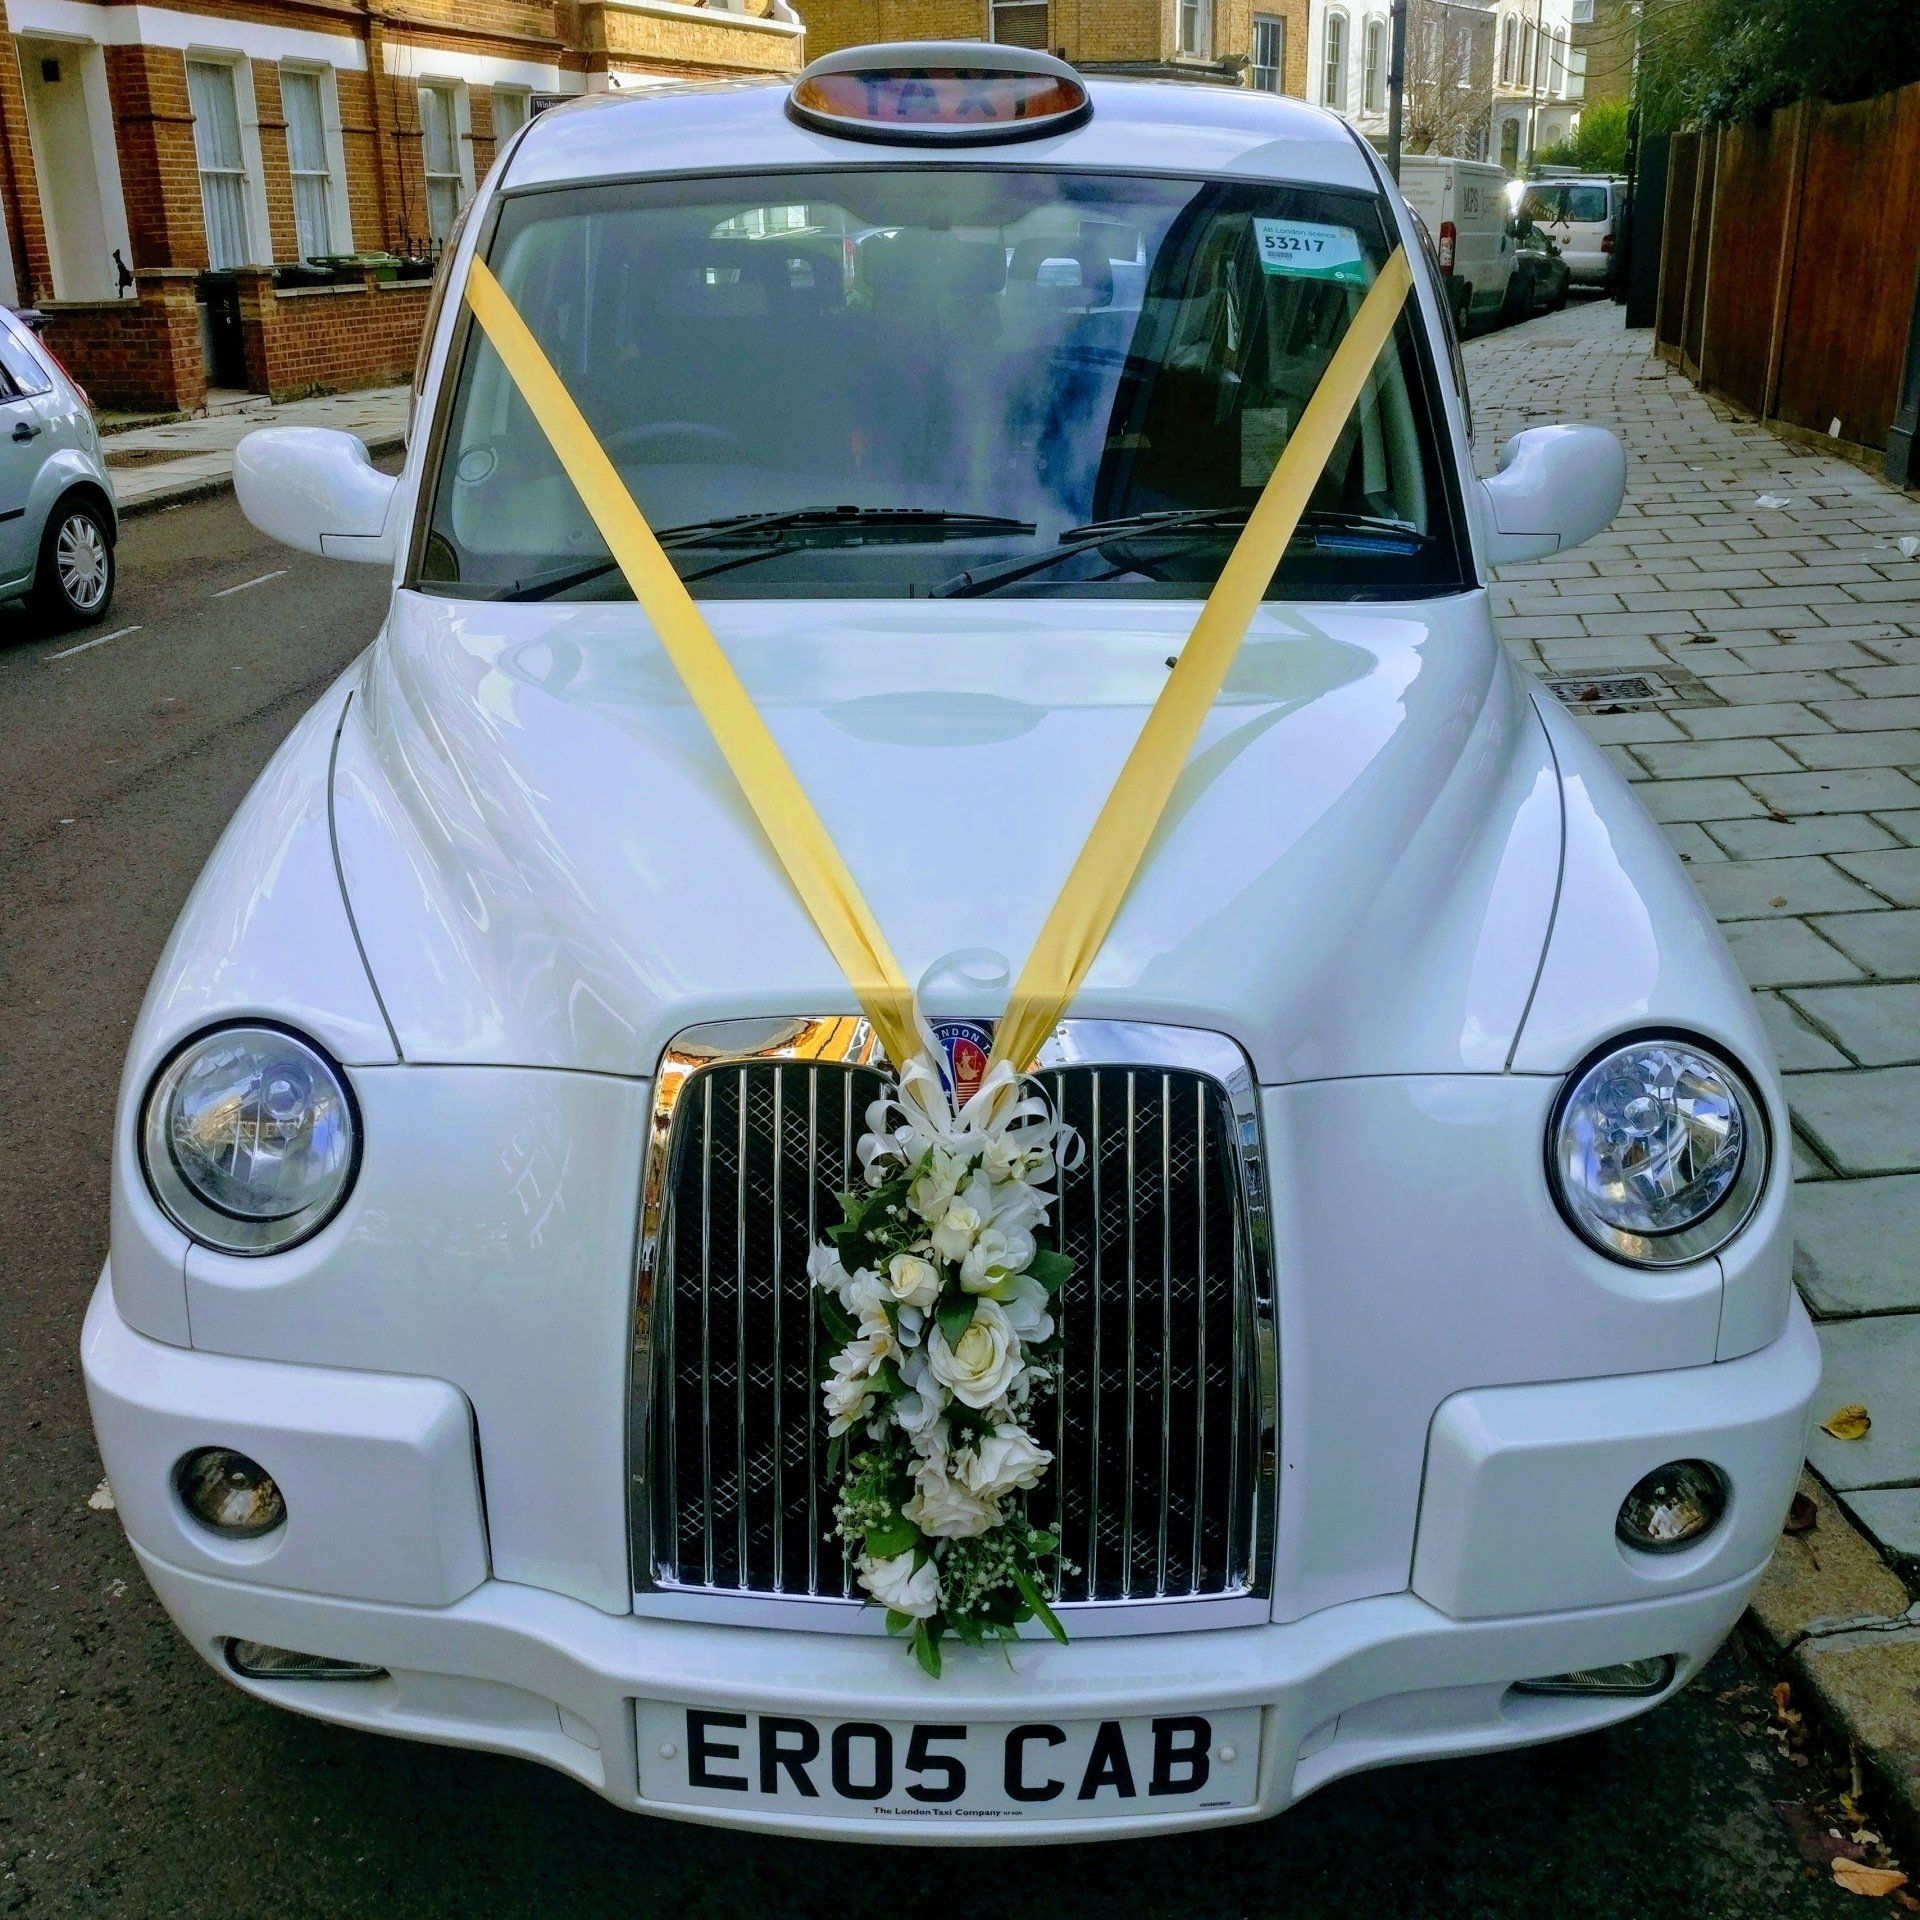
x: 307, y: 339
x: 142, y: 352
x: 1095, y: 32
x: 153, y: 126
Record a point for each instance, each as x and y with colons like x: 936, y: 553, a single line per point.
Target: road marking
x: 119, y: 633
x: 276, y: 574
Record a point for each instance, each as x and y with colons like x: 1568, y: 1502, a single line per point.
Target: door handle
x: 24, y: 429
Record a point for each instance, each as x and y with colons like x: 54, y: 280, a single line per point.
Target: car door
x: 22, y: 447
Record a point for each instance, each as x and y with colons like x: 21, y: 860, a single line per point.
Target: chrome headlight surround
x: 292, y: 1153
x: 1728, y: 1202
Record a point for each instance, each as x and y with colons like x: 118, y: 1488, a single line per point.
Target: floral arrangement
x: 936, y: 1294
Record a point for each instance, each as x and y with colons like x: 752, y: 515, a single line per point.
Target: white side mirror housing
x: 317, y: 489
x: 1556, y: 487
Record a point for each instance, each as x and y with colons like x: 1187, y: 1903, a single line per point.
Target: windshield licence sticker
x: 1310, y: 251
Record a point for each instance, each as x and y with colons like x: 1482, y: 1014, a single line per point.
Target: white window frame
x: 1333, y: 72
x: 522, y: 97
x: 339, y: 208
x: 460, y: 125
x: 1278, y: 67
x: 251, y: 172
x: 1509, y: 48
x: 1193, y: 29
x: 1373, y: 39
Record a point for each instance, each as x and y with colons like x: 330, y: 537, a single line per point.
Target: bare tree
x: 1449, y: 77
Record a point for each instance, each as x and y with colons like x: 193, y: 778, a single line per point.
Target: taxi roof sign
x: 939, y: 93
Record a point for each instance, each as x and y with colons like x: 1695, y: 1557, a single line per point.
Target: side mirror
x: 1556, y: 487
x: 317, y: 489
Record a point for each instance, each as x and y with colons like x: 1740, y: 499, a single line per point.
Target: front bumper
x: 477, y: 1661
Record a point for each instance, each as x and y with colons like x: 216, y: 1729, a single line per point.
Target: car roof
x: 742, y: 126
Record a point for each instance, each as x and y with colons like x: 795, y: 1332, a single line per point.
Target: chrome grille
x: 1162, y: 1427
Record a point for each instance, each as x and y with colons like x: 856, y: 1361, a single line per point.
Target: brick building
x: 1259, y: 43
x: 165, y: 171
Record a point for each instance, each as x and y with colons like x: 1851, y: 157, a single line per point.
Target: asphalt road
x: 133, y: 1782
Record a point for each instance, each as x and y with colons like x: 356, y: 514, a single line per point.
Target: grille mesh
x: 1155, y: 1426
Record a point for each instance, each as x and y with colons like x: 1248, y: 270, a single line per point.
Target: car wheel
x: 1462, y: 311
x: 1560, y: 298
x: 1522, y: 298
x: 74, y: 583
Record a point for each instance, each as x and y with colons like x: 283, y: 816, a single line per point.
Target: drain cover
x: 1627, y: 691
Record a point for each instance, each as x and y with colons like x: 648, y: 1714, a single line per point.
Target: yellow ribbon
x: 1109, y: 862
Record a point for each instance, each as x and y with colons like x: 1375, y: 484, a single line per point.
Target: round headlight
x: 249, y: 1139
x: 1658, y: 1152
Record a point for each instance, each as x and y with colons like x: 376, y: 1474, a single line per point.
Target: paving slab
x: 1770, y: 839
x: 1758, y: 889
x: 1772, y: 720
x: 1698, y: 759
x: 1846, y: 790
x: 1797, y: 1044
x: 1864, y: 1121
x: 1878, y: 1025
x: 1827, y: 1574
x: 1886, y: 943
x: 1871, y: 1362
x: 1897, y: 747
x: 1699, y: 799
x: 1857, y: 1244
x: 1890, y: 1515
x: 1784, y: 953
x: 1894, y: 874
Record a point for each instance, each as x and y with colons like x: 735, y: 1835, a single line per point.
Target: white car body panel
x: 1382, y: 777
x: 501, y: 864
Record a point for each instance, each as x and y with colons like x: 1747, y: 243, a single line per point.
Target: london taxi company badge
x: 967, y: 1045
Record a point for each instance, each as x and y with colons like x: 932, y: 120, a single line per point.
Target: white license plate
x: 949, y: 1768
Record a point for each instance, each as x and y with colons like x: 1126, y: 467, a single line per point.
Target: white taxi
x: 1423, y: 1374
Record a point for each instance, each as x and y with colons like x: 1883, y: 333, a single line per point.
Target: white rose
x: 980, y: 1366
x: 912, y: 1281
x: 901, y: 1586
x: 865, y: 1297
x: 946, y: 1510
x: 932, y: 1193
x: 954, y: 1231
x: 1026, y: 1311
x: 996, y: 1256
x: 825, y: 1271
x: 850, y: 1379
x: 1005, y: 1460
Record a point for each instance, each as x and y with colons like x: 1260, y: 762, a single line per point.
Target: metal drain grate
x: 1628, y: 691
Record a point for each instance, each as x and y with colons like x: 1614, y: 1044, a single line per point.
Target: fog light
x: 229, y: 1493
x: 1624, y: 1677
x: 1672, y: 1507
x: 255, y: 1660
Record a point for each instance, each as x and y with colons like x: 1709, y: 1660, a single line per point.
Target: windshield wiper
x: 780, y: 532
x: 1178, y: 522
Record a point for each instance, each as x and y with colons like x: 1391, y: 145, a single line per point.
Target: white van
x: 1464, y: 203
x: 1578, y: 213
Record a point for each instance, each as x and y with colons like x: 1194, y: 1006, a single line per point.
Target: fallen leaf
x: 101, y: 1498
x: 1782, y: 1698
x: 1875, y: 1882
x: 1803, y: 1515
x: 1779, y: 900
x: 1848, y: 1423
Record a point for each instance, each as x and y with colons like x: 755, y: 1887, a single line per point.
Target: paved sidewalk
x: 155, y: 466
x: 1760, y: 591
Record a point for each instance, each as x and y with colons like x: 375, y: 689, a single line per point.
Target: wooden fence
x: 1788, y: 263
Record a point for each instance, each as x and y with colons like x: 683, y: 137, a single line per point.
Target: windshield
x: 935, y: 380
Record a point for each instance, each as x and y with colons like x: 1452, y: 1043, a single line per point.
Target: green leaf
x: 955, y: 1317
x: 926, y: 1649
x: 899, y: 1622
x: 1051, y: 1268
x: 1031, y: 1594
x: 1043, y: 1544
x: 896, y: 1537
x: 835, y: 1318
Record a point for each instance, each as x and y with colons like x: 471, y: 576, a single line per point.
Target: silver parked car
x: 58, y: 521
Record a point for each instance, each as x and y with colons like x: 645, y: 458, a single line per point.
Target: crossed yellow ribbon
x: 1107, y: 865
